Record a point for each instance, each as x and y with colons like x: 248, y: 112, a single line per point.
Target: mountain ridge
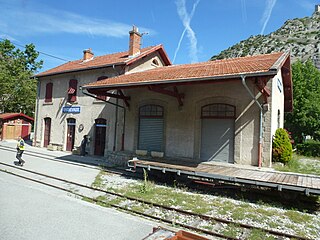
x: 299, y: 35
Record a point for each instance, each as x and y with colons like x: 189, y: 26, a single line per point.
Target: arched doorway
x: 151, y: 128
x: 71, y: 129
x: 47, y: 132
x: 100, y: 136
x: 217, y: 133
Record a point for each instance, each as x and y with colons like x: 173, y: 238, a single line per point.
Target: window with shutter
x: 72, y: 91
x: 48, y: 97
x: 101, y: 97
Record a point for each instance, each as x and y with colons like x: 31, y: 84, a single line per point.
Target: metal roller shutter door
x: 217, y: 140
x: 151, y: 134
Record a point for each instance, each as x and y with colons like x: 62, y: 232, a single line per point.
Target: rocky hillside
x: 300, y: 35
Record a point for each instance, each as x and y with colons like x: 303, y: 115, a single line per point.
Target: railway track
x: 166, y: 214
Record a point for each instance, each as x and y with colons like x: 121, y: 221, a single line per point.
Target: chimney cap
x: 135, y: 30
x: 89, y: 50
x: 87, y: 54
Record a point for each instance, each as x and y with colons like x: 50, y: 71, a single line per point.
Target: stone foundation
x: 119, y: 158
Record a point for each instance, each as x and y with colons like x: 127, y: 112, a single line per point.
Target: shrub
x: 309, y: 148
x: 281, y: 146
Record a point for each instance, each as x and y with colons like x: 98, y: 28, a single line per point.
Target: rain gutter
x: 184, y: 80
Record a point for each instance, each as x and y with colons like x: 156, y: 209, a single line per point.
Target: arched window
x: 218, y: 110
x: 151, y: 128
x: 151, y: 111
x: 100, y: 136
x: 47, y: 131
x: 217, y: 132
x: 155, y: 62
x: 278, y: 119
x: 71, y: 130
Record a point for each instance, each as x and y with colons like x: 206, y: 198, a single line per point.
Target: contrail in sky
x: 267, y: 13
x: 186, y: 19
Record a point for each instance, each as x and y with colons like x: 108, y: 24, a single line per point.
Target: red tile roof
x: 6, y: 116
x: 252, y: 65
x: 105, y: 60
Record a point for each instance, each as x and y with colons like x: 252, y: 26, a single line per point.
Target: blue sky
x: 190, y: 30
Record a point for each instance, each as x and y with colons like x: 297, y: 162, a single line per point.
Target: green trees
x: 305, y: 118
x: 281, y: 146
x: 17, y: 89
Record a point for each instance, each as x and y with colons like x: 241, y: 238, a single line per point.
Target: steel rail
x: 123, y: 208
x: 204, y: 217
x: 75, y: 163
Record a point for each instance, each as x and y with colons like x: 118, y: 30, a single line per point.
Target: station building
x: 136, y: 103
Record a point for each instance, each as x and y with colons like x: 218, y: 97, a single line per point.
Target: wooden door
x: 100, y: 136
x: 71, y: 129
x: 25, y: 131
x: 47, y: 131
x: 10, y: 132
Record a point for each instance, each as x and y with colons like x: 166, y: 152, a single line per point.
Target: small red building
x: 13, y: 125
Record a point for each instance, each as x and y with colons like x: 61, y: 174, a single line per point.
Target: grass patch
x: 297, y: 217
x: 98, y: 181
x: 297, y: 166
x: 88, y: 200
x: 231, y: 230
x: 239, y: 214
x: 225, y: 207
x: 139, y: 208
x: 169, y: 197
x: 259, y: 234
x: 214, y: 206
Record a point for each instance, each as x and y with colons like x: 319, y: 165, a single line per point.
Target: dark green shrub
x: 281, y: 146
x: 309, y: 148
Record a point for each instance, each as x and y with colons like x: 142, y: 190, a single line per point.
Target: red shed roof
x: 251, y: 65
x: 120, y: 58
x: 6, y: 116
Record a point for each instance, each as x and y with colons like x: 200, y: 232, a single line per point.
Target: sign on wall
x: 71, y: 109
x: 279, y: 85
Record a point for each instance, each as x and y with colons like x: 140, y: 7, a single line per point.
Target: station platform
x: 231, y: 173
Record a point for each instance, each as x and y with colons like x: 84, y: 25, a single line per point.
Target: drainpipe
x: 260, y: 123
x: 124, y: 110
x: 36, y: 114
x: 115, y: 126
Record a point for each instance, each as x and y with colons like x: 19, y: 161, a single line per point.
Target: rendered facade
x: 222, y: 111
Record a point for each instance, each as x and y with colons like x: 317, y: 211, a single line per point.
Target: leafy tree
x: 305, y: 118
x: 281, y: 146
x: 17, y: 88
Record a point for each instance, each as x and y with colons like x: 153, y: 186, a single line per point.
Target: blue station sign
x: 71, y: 109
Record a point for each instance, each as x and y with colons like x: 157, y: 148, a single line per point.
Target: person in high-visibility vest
x: 20, y: 150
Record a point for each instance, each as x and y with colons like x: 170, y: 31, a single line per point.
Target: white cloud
x: 186, y: 19
x: 267, y: 13
x: 21, y: 22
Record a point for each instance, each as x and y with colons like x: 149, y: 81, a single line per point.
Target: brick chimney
x: 134, y: 41
x: 87, y: 54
